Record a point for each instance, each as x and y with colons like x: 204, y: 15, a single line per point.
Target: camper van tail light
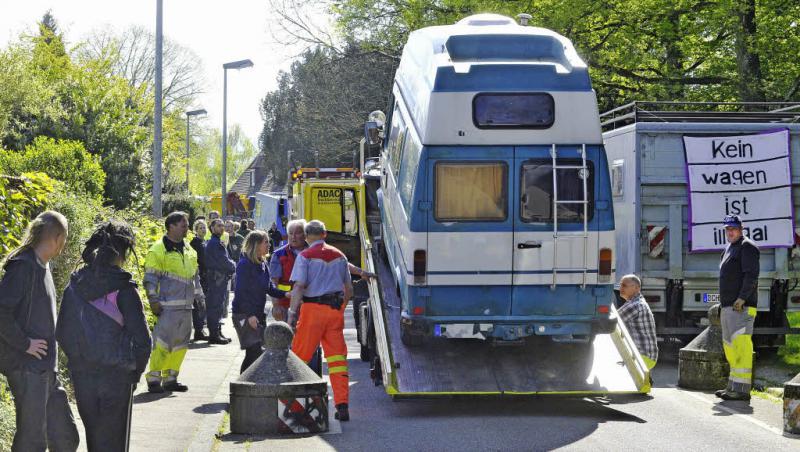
x: 603, y: 309
x: 604, y: 269
x: 419, y: 310
x: 796, y: 299
x: 420, y: 263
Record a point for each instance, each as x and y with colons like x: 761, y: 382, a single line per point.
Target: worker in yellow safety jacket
x: 172, y: 282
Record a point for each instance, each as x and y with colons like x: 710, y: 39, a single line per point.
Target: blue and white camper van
x: 495, y: 198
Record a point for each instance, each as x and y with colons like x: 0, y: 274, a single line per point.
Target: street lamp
x: 201, y: 111
x: 157, y: 113
x: 242, y: 64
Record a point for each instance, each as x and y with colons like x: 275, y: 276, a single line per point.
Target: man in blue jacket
x: 219, y: 269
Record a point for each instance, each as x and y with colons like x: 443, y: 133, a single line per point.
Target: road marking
x: 731, y: 411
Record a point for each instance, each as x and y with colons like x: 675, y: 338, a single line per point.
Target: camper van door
x: 535, y: 251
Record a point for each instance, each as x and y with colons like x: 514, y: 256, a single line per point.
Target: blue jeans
x: 44, y: 420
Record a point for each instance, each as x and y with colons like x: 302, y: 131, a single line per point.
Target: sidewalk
x: 175, y: 421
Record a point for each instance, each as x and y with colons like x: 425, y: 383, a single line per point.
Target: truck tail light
x: 418, y: 310
x: 604, y: 268
x: 603, y: 309
x: 420, y: 265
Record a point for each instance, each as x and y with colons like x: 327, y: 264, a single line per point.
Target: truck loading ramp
x: 441, y: 366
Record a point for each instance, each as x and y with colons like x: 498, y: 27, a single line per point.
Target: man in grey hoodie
x: 28, y: 353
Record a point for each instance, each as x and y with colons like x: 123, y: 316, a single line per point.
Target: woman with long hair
x: 253, y: 284
x: 198, y: 244
x: 103, y: 330
x: 28, y: 353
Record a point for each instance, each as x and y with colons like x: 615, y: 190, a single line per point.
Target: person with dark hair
x: 219, y: 269
x: 104, y: 333
x: 214, y: 215
x: 275, y: 236
x: 243, y: 230
x: 235, y: 243
x: 28, y: 352
x: 172, y: 283
x: 198, y: 243
x: 253, y: 284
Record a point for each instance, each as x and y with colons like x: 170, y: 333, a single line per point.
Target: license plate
x: 710, y: 298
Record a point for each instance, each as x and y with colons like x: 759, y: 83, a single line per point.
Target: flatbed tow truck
x: 610, y: 364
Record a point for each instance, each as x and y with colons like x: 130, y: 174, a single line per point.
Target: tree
x: 709, y: 50
x: 318, y: 111
x: 63, y: 160
x: 131, y: 55
x: 205, y: 164
x: 46, y: 93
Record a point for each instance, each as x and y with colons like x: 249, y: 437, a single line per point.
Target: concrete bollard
x: 278, y: 393
x: 702, y: 364
x: 791, y: 406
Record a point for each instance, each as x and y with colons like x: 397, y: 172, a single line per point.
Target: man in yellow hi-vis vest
x: 738, y: 294
x: 172, y: 283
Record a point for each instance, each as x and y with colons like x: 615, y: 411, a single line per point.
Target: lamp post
x: 188, y: 114
x: 232, y: 65
x: 157, y: 115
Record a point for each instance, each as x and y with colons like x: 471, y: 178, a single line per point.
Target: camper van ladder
x: 584, y: 175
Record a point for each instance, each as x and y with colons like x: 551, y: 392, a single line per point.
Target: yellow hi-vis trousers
x: 171, y: 337
x: 737, y: 342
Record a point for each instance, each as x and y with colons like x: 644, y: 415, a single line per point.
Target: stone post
x: 702, y: 364
x: 278, y: 393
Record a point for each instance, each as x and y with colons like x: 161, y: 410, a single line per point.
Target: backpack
x: 92, y: 333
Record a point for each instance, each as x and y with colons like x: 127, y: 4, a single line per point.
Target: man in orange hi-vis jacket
x: 322, y: 285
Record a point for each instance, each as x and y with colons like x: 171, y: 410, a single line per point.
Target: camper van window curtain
x: 471, y: 192
x: 513, y: 110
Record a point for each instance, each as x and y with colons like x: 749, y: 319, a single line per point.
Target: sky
x: 218, y: 31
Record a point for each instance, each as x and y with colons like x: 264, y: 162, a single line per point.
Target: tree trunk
x: 747, y: 60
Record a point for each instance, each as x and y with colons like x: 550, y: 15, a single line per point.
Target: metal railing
x: 672, y: 111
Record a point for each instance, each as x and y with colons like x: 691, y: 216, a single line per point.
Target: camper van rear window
x: 536, y: 191
x: 513, y: 110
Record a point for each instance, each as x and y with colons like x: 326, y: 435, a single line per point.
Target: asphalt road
x: 668, y: 419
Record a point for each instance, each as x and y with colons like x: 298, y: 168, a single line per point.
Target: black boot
x: 200, y: 335
x: 155, y: 388
x: 174, y: 386
x: 217, y: 338
x: 342, y: 412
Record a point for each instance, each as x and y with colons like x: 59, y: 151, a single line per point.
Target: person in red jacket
x: 281, y: 265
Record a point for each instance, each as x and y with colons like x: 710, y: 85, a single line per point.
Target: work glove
x: 738, y: 305
x: 156, y: 308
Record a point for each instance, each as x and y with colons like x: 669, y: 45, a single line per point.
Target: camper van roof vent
x: 482, y: 20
